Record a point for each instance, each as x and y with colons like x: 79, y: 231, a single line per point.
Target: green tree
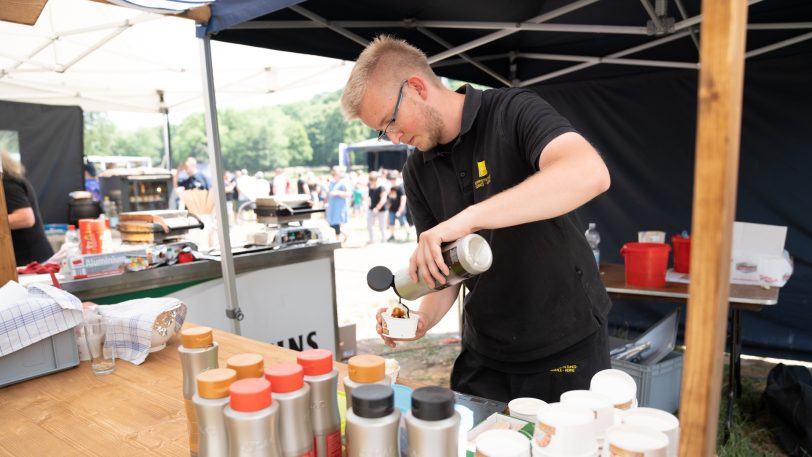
x: 100, y: 134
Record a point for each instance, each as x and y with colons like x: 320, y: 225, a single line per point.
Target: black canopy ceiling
x: 538, y: 41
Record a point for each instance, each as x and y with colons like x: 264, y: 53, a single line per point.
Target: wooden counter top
x: 136, y: 411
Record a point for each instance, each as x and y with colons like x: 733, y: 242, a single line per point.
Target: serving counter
x: 287, y: 295
x: 136, y: 411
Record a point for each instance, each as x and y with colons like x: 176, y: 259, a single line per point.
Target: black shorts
x: 570, y: 369
x: 337, y: 228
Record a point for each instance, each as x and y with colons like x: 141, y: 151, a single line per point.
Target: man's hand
x: 422, y: 326
x: 427, y: 260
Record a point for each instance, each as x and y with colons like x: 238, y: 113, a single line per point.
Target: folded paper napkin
x: 28, y: 316
x: 130, y: 324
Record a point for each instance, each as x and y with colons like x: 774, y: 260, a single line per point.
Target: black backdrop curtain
x: 51, y: 147
x: 645, y: 127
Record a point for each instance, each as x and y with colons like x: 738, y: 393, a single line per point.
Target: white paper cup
x: 502, y: 443
x: 540, y: 452
x: 525, y: 408
x: 658, y: 420
x: 618, y: 386
x: 635, y: 440
x: 564, y: 430
x: 399, y: 328
x: 600, y: 405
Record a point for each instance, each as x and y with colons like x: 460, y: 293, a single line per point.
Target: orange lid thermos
x: 198, y: 353
x: 293, y: 396
x: 252, y: 419
x: 210, y: 400
x: 322, y: 378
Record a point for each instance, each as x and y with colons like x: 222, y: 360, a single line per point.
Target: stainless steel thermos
x: 432, y: 426
x: 322, y: 378
x: 465, y: 258
x: 293, y: 396
x: 198, y: 353
x: 372, y: 423
x: 252, y: 419
x: 210, y: 400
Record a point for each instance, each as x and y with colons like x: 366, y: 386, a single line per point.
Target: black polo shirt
x: 543, y: 292
x: 30, y: 244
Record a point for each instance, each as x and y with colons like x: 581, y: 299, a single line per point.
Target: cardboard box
x: 498, y: 421
x: 758, y: 255
x: 347, y: 346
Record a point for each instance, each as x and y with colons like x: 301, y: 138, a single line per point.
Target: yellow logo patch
x: 483, y: 170
x: 565, y: 369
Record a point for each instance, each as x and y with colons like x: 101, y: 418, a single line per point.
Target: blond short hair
x: 397, y: 58
x: 11, y: 167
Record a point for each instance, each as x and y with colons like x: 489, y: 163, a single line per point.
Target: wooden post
x: 721, y: 80
x: 8, y: 266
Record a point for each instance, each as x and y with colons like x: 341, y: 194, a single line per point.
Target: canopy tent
x: 107, y: 58
x: 380, y: 154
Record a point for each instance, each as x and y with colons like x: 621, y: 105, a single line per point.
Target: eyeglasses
x: 382, y: 133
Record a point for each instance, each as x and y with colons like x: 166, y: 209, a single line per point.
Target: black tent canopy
x: 625, y: 73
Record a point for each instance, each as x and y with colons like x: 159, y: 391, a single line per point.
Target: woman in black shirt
x: 24, y: 219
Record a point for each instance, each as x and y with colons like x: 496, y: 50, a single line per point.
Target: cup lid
x: 315, y: 362
x: 502, y: 443
x: 246, y: 365
x: 250, y: 394
x: 196, y: 337
x: 285, y: 377
x: 373, y: 400
x: 366, y: 368
x: 214, y: 383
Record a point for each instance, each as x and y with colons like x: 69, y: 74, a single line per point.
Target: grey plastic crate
x: 658, y: 386
x: 45, y: 356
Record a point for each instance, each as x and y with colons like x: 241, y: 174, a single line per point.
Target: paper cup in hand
x: 399, y: 327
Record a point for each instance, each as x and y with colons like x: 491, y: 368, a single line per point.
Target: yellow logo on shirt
x: 483, y: 170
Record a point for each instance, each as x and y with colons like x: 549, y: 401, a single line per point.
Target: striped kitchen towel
x: 136, y: 326
x: 28, y: 316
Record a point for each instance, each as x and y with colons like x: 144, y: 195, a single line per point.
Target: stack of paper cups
x: 635, y: 440
x: 502, y: 443
x: 658, y: 420
x: 564, y: 430
x: 600, y: 405
x: 618, y: 386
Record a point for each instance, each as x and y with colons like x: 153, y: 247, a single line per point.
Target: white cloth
x: 29, y: 316
x: 130, y: 325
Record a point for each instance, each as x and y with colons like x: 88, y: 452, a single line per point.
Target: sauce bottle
x: 252, y: 419
x: 322, y: 378
x: 364, y: 369
x: 465, y: 258
x: 293, y: 396
x: 247, y: 365
x: 210, y: 400
x: 432, y: 426
x: 198, y: 353
x: 372, y: 423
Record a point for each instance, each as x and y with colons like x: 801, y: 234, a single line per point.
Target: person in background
x: 262, y: 186
x: 281, y: 183
x: 395, y: 204
x: 377, y: 207
x: 230, y: 190
x: 24, y: 219
x: 337, y: 195
x: 194, y: 179
x: 91, y: 182
x: 504, y: 164
x: 301, y: 185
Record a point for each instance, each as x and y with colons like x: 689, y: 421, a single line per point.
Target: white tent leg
x: 216, y: 166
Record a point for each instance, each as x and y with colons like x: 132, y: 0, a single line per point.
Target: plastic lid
x: 246, y: 365
x: 366, y: 368
x: 432, y: 403
x: 71, y: 227
x: 285, y: 377
x: 214, y: 383
x: 250, y: 394
x: 380, y: 278
x: 315, y: 362
x: 196, y: 337
x: 475, y: 254
x: 373, y: 401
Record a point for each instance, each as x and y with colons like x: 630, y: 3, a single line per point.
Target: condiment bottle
x: 465, y: 258
x: 322, y: 378
x: 364, y: 369
x: 198, y: 353
x: 252, y: 419
x: 432, y: 426
x: 372, y: 423
x: 247, y: 365
x: 293, y: 396
x: 210, y: 400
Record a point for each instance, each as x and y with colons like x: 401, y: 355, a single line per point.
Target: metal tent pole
x: 233, y: 311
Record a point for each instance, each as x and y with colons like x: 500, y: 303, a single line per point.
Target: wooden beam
x: 8, y: 266
x: 199, y: 14
x: 721, y: 79
x: 24, y: 12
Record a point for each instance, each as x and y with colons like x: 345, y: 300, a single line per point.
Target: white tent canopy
x: 107, y: 58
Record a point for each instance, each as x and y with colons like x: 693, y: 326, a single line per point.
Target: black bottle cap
x: 373, y: 400
x: 380, y: 278
x: 432, y: 403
